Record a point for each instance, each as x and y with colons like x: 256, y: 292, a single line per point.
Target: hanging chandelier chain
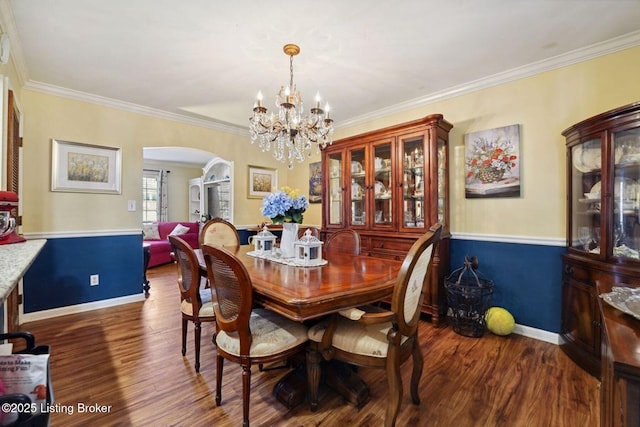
x: 291, y: 71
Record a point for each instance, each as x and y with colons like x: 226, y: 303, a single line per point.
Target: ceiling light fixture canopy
x: 290, y: 134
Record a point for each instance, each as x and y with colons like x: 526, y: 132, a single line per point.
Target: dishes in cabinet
x: 381, y: 190
x: 618, y: 154
x: 626, y: 188
x: 592, y: 196
x: 591, y: 158
x: 577, y: 159
x: 586, y: 159
x: 378, y: 163
x: 356, y: 191
x: 629, y: 146
x: 356, y: 167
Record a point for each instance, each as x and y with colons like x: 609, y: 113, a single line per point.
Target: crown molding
x: 616, y: 44
x: 8, y: 26
x: 133, y: 108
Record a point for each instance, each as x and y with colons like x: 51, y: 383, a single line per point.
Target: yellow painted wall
x: 48, y: 116
x: 544, y: 105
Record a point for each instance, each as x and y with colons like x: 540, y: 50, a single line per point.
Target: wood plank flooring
x: 128, y: 359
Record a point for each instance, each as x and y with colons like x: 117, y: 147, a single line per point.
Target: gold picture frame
x: 262, y: 181
x: 85, y: 168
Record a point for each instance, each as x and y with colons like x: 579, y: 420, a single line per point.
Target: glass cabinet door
x: 336, y: 190
x: 625, y: 235
x: 586, y: 196
x: 442, y: 182
x: 413, y: 184
x: 357, y: 187
x: 382, y: 185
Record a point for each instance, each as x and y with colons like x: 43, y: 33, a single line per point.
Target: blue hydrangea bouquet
x: 285, y: 205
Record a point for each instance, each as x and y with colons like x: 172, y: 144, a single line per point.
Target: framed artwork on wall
x: 492, y: 162
x: 315, y: 182
x: 262, y: 181
x: 85, y: 168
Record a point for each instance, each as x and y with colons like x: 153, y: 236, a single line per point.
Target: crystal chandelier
x: 290, y: 134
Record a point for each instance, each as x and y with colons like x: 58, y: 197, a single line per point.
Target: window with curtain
x: 150, y: 195
x: 154, y: 195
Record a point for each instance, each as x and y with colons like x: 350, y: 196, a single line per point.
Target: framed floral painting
x: 262, y: 181
x: 85, y: 168
x: 315, y: 182
x: 492, y: 162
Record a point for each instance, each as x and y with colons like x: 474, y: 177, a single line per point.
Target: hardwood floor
x: 128, y: 359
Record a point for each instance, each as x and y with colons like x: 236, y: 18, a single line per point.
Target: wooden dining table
x: 303, y: 293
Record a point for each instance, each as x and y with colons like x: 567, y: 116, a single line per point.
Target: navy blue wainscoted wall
x: 59, y: 276
x: 527, y: 278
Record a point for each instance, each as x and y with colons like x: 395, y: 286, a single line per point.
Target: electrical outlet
x: 94, y: 280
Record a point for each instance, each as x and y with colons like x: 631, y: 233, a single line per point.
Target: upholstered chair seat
x: 270, y: 334
x: 357, y: 338
x: 206, y: 309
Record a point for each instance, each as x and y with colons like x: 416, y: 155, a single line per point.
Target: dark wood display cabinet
x: 603, y: 231
x: 391, y: 185
x: 620, y: 390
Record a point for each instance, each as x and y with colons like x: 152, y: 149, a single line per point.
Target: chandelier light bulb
x: 290, y: 134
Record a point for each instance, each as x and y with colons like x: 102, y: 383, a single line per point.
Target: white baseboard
x: 79, y: 308
x: 538, y: 334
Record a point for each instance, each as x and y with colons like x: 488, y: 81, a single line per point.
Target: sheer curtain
x: 163, y: 195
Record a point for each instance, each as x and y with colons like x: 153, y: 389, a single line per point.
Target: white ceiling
x: 205, y: 60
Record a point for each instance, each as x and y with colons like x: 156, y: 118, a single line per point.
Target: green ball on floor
x: 499, y: 321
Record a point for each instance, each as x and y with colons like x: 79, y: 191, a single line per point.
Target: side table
x: 146, y: 257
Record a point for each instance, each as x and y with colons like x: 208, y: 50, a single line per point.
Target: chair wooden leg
x: 219, y: 366
x: 417, y: 371
x: 394, y: 380
x: 313, y: 375
x: 197, y: 335
x: 246, y: 390
x: 185, y: 322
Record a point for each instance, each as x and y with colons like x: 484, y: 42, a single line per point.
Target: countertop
x: 15, y: 260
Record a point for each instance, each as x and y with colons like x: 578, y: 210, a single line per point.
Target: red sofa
x: 160, y: 248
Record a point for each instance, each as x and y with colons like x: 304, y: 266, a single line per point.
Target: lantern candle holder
x: 308, y: 250
x: 264, y: 242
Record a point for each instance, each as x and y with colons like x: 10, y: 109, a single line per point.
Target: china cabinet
x: 390, y: 185
x: 603, y: 232
x: 211, y: 195
x: 195, y: 201
x: 217, y: 184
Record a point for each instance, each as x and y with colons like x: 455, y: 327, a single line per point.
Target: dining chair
x: 345, y: 241
x: 245, y: 335
x: 219, y: 232
x: 195, y: 302
x: 373, y: 337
